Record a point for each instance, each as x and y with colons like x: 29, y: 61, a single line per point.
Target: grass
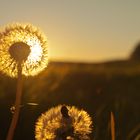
x: 98, y: 88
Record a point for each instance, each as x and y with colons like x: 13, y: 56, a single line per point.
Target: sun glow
x: 36, y: 50
x: 37, y: 59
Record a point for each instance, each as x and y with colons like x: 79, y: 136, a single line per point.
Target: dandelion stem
x: 17, y: 104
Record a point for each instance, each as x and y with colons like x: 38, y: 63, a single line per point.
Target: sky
x: 80, y: 30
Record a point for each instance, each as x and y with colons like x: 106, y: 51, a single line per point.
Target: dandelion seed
x: 51, y: 124
x: 25, y: 43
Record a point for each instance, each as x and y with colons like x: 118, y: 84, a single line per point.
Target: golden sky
x: 80, y: 30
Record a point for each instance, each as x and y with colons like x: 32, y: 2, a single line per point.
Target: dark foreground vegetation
x: 97, y: 88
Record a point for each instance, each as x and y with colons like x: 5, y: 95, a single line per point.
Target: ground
x: 98, y: 88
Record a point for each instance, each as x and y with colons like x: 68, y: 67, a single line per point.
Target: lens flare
x: 49, y: 122
x: 16, y: 35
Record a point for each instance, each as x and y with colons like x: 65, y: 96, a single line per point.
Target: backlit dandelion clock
x: 23, y: 51
x: 50, y: 124
x: 25, y: 44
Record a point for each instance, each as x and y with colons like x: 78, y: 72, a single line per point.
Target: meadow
x: 98, y: 88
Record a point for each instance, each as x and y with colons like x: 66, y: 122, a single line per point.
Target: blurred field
x: 98, y: 88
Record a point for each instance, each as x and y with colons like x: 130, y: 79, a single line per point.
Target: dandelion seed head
x: 48, y: 123
x: 25, y: 43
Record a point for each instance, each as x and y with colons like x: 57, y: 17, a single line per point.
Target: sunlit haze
x: 80, y: 30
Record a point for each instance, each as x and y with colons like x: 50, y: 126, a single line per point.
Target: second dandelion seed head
x: 53, y: 124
